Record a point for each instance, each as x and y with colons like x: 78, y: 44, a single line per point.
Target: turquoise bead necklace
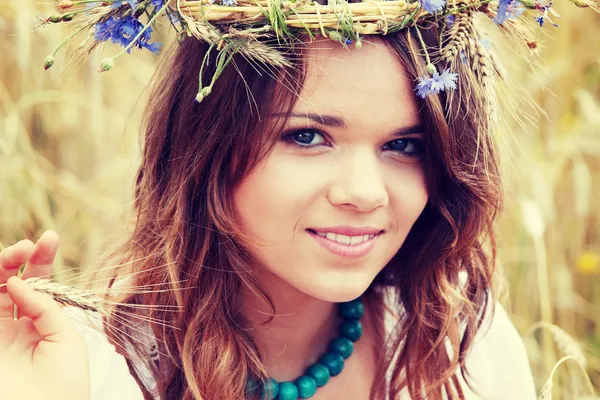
x: 329, y: 365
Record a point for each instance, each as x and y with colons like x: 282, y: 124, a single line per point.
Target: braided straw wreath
x: 262, y: 30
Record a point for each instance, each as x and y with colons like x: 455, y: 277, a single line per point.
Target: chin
x: 336, y: 284
x: 339, y: 292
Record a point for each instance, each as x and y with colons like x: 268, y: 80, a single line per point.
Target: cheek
x: 275, y: 196
x: 408, y: 197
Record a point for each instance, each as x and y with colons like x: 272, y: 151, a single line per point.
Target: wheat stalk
x: 86, y: 300
x: 265, y: 54
x: 565, y: 342
x: 296, y: 13
x: 481, y: 62
x: 546, y: 392
x: 96, y: 306
x: 67, y: 295
x: 252, y: 48
x: 461, y: 31
x: 487, y: 72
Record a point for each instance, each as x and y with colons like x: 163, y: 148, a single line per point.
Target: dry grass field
x: 69, y: 149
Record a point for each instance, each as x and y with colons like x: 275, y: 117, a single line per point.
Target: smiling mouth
x: 345, y: 239
x: 345, y: 246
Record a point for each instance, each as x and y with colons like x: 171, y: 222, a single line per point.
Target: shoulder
x: 497, y: 362
x: 110, y: 378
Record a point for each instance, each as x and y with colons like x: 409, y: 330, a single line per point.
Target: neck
x: 297, y: 335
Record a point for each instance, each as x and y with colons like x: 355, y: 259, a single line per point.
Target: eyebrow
x: 337, y: 122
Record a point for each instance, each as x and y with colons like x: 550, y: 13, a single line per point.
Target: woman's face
x: 348, y: 166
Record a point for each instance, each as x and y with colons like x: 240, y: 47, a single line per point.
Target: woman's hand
x: 42, y: 354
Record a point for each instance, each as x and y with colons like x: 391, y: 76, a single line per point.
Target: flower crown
x: 235, y: 26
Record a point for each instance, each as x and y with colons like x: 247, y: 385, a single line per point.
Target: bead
x: 270, y: 390
x: 352, y: 329
x: 342, y: 345
x: 320, y: 373
x: 352, y: 309
x: 307, y: 386
x: 334, y: 363
x: 330, y: 364
x: 287, y: 391
x: 251, y: 385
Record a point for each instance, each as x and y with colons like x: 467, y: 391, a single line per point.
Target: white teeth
x: 336, y: 237
x: 343, y: 239
x: 359, y: 239
x: 331, y: 236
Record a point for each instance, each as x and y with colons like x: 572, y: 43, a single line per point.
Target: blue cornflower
x: 545, y: 17
x: 450, y: 18
x: 433, y: 6
x: 501, y: 14
x: 104, y: 29
x: 133, y: 3
x: 508, y: 9
x: 123, y: 31
x: 515, y: 10
x: 436, y: 83
x: 230, y: 3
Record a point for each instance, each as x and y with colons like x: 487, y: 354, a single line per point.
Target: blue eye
x: 408, y: 147
x: 308, y: 138
x: 305, y: 138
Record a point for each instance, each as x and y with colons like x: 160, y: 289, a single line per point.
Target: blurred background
x: 69, y: 150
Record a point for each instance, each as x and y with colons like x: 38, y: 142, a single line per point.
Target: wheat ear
x: 460, y: 32
x: 67, y: 295
x: 487, y: 73
x: 546, y: 393
x: 252, y: 48
x: 565, y: 342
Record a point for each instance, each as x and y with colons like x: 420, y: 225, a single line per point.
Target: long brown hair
x: 187, y: 246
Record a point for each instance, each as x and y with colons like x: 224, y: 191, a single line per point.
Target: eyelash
x: 417, y: 143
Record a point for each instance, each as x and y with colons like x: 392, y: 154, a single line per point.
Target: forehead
x: 366, y: 86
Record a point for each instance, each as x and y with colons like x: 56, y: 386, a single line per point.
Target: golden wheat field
x: 69, y: 149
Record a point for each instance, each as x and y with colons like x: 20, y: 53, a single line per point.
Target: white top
x: 497, y: 362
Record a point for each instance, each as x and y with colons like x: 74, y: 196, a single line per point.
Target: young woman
x: 278, y: 212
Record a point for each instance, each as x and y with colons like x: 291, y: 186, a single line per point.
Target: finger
x: 12, y: 257
x: 40, y: 263
x: 47, y: 316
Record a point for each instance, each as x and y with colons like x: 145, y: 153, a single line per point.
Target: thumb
x: 47, y: 316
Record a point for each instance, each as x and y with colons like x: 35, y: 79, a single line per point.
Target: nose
x: 359, y: 183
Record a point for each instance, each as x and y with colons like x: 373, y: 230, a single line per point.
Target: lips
x: 348, y: 230
x: 343, y: 239
x: 346, y: 246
